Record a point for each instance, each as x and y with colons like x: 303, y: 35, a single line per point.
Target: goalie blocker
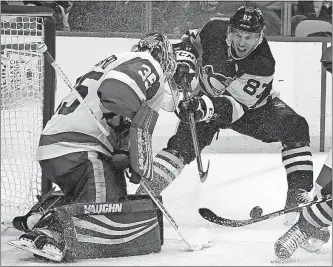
x: 133, y: 226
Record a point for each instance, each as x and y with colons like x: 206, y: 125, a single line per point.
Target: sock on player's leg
x: 167, y: 167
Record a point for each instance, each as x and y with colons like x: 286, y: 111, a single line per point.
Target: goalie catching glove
x: 202, y: 108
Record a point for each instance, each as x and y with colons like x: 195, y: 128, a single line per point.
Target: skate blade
x: 41, y: 253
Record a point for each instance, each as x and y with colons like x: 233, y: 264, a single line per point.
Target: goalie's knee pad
x: 167, y: 166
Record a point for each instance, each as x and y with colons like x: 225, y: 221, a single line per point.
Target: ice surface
x: 236, y: 183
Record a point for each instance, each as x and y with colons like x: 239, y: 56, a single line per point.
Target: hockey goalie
x: 94, y: 217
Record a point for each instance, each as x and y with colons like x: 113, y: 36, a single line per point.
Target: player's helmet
x: 161, y: 49
x: 247, y: 19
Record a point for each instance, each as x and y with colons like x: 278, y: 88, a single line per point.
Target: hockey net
x: 24, y: 106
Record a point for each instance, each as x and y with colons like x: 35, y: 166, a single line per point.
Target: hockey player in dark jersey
x: 125, y: 92
x: 305, y: 232
x: 236, y: 70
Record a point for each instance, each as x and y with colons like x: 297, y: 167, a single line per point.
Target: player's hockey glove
x: 184, y: 71
x: 201, y: 107
x: 186, y: 57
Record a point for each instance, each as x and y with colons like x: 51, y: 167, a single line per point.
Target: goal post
x: 27, y: 102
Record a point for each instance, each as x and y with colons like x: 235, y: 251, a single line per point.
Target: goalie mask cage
x: 27, y: 103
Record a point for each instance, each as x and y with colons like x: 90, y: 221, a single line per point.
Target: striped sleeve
x: 140, y: 73
x: 128, y: 85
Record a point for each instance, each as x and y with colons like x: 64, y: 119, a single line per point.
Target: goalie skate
x: 48, y: 251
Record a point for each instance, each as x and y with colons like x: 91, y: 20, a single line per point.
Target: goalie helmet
x: 161, y: 49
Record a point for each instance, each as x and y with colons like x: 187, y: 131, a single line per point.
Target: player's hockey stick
x: 212, y: 217
x: 185, y: 86
x: 43, y: 49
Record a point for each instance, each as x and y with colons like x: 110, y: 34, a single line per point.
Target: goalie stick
x: 43, y: 49
x: 212, y: 217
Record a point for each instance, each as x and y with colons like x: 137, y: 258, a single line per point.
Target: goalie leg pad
x: 141, y: 130
x: 137, y: 229
x: 167, y: 166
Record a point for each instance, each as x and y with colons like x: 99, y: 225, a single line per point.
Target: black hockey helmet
x: 248, y: 19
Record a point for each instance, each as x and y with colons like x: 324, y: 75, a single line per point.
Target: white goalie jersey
x: 120, y: 84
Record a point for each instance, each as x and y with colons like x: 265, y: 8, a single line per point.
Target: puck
x: 256, y: 212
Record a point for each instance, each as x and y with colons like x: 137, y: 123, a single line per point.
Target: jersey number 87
x: 253, y: 85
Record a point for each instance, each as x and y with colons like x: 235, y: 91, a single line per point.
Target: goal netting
x: 27, y: 102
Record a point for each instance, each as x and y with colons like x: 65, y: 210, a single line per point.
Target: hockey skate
x: 288, y: 243
x: 40, y: 245
x: 294, y: 198
x: 317, y: 240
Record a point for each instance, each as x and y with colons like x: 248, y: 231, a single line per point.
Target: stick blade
x: 207, y: 214
x: 204, y: 175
